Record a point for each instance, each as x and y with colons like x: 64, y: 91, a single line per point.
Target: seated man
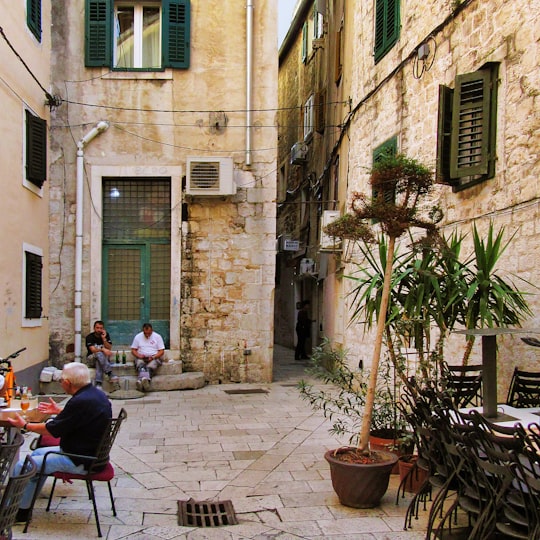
x: 80, y: 425
x: 99, y: 344
x: 148, y: 349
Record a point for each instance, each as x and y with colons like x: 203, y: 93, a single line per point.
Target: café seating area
x: 483, y: 474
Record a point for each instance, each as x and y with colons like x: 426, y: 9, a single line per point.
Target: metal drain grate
x: 193, y: 513
x: 247, y: 391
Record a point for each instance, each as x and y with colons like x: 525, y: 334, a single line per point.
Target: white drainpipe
x: 249, y: 74
x: 100, y: 127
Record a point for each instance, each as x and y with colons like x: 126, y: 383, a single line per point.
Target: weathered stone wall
x: 226, y: 247
x: 407, y: 106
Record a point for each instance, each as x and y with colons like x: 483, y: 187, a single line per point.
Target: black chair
x: 8, y: 453
x: 12, y: 496
x: 100, y: 470
x: 463, y: 384
x: 524, y: 389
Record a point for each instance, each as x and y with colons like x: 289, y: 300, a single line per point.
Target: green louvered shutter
x: 444, y: 134
x: 33, y: 285
x: 33, y: 17
x: 176, y: 33
x: 387, y: 23
x: 388, y: 148
x: 36, y: 149
x: 98, y: 33
x: 471, y: 150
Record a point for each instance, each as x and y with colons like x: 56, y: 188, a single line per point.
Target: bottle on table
x: 124, y: 358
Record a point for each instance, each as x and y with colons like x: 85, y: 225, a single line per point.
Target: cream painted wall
x: 24, y: 207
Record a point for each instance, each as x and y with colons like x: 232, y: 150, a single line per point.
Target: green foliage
x: 343, y: 399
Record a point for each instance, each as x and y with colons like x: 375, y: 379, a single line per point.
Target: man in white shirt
x: 148, y: 349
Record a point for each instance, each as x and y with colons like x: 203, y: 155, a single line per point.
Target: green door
x: 136, y: 258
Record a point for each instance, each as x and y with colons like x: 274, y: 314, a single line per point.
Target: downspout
x: 249, y: 75
x: 100, y: 127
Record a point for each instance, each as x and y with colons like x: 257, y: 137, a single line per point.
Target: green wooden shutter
x: 98, y: 33
x: 472, y: 143
x: 33, y: 17
x: 388, y: 147
x: 444, y: 134
x: 33, y: 279
x: 176, y: 33
x: 36, y: 149
x: 387, y: 22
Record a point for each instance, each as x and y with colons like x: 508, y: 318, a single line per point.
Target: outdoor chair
x: 12, y: 495
x: 8, y: 452
x: 100, y: 470
x: 524, y: 389
x: 463, y: 384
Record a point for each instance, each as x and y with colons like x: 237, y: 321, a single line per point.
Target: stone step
x: 168, y: 377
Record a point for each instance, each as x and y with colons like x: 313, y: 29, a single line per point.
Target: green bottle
x: 117, y: 357
x: 123, y: 357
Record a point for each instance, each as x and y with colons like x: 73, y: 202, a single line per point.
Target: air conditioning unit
x: 210, y: 176
x: 299, y: 152
x: 329, y: 243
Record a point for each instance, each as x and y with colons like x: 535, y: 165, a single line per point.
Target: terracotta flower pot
x: 388, y: 444
x: 360, y: 485
x: 411, y: 478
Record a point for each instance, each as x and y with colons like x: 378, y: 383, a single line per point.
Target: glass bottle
x: 124, y: 357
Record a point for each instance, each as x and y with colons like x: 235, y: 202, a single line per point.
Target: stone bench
x: 168, y: 377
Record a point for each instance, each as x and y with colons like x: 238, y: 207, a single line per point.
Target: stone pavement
x: 261, y: 450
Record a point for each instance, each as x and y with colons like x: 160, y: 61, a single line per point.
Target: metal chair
x: 524, y: 389
x: 12, y: 496
x: 100, y: 470
x: 463, y: 384
x: 7, y: 455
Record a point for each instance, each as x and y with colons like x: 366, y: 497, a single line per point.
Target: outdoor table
x: 509, y: 416
x: 32, y: 415
x: 489, y: 363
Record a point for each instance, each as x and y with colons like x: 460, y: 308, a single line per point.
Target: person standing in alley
x: 303, y: 330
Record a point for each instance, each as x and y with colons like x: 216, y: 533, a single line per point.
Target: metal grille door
x: 136, y: 256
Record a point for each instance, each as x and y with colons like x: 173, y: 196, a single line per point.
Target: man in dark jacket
x: 80, y: 425
x: 303, y: 330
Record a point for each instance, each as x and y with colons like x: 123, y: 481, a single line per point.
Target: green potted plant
x: 399, y: 184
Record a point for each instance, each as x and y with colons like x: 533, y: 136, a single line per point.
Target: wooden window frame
x: 33, y: 17
x: 36, y: 149
x: 387, y: 26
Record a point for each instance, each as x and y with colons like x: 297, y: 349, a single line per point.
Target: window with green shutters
x: 36, y: 149
x: 132, y: 35
x: 305, y: 31
x: 466, y: 138
x: 33, y: 282
x: 387, y: 23
x: 33, y: 17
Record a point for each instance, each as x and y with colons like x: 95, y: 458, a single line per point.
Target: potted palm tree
x: 399, y: 186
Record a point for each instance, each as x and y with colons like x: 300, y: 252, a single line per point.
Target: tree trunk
x: 377, y: 348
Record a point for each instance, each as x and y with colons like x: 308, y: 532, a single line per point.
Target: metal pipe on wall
x: 249, y: 76
x: 100, y: 127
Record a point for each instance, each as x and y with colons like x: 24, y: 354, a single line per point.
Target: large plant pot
x: 360, y: 485
x: 388, y: 444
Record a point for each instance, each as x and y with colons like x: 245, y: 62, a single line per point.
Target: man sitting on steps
x: 148, y: 349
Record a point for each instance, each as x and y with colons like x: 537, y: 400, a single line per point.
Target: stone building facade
x: 418, y: 65
x: 25, y: 90
x: 175, y: 194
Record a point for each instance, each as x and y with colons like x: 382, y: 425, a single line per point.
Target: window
x: 386, y: 26
x: 318, y: 19
x: 33, y: 17
x: 304, y: 42
x: 308, y: 117
x: 131, y: 35
x: 466, y: 134
x: 36, y: 149
x: 33, y: 264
